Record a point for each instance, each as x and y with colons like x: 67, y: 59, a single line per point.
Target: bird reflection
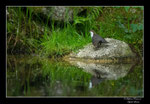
x: 96, y: 79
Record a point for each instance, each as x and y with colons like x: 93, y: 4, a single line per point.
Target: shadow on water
x: 36, y: 76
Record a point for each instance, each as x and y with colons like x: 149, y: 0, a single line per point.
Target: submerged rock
x: 113, y: 49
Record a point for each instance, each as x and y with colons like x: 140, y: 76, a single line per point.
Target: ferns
x: 87, y: 20
x: 91, y: 14
x: 94, y: 12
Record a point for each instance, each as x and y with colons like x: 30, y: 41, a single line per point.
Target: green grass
x: 29, y: 32
x: 62, y: 41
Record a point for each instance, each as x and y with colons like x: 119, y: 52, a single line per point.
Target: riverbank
x: 30, y: 33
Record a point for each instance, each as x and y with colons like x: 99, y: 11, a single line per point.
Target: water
x: 35, y: 76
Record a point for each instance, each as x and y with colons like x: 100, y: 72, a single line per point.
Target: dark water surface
x: 36, y: 76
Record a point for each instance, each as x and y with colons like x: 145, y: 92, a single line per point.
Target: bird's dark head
x: 92, y: 32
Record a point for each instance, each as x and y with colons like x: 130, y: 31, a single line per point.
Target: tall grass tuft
x: 59, y: 42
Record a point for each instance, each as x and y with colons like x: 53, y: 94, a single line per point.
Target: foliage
x: 124, y: 23
x: 29, y: 32
x: 62, y: 41
x: 22, y: 31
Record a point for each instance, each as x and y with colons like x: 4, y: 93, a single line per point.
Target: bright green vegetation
x: 36, y: 76
x: 29, y: 32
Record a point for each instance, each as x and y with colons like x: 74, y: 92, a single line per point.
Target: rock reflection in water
x: 102, y: 72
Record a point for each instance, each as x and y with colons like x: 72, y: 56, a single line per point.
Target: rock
x: 57, y: 13
x: 62, y: 13
x: 114, y: 49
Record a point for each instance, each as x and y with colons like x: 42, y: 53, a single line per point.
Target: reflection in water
x: 95, y: 81
x: 107, y: 71
x: 36, y: 76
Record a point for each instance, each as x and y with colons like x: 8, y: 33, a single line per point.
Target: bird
x: 97, y: 40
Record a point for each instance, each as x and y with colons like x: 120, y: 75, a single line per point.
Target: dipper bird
x: 96, y: 39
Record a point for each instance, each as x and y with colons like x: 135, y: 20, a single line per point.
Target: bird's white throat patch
x: 91, y: 34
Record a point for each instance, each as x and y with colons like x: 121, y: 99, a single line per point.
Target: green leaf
x: 80, y: 20
x: 134, y: 27
x: 140, y: 26
x: 128, y: 36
